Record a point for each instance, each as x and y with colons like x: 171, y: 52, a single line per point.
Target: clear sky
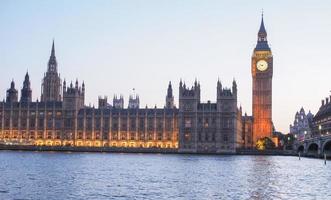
x: 115, y: 46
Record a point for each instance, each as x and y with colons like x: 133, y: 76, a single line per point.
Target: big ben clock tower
x: 262, y: 67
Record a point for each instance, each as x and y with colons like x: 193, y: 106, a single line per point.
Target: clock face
x: 262, y: 65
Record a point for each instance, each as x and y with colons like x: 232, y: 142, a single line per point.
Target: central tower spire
x: 262, y: 42
x: 51, y: 85
x: 52, y: 63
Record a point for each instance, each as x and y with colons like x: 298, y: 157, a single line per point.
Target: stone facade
x: 62, y: 118
x: 321, y: 125
x: 301, y: 128
x: 209, y: 127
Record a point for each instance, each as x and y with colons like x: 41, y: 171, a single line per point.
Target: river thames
x: 55, y: 175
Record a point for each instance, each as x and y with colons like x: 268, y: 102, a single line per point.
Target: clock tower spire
x: 262, y: 70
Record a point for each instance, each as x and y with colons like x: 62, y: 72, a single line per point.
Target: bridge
x: 314, y: 147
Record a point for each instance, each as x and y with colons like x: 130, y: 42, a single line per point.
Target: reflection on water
x: 42, y: 175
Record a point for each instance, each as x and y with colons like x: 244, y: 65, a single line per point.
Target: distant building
x: 322, y: 120
x: 301, y: 128
x: 62, y: 118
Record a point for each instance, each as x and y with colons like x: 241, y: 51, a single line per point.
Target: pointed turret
x: 262, y: 42
x: 169, y: 92
x: 52, y: 63
x: 262, y: 31
x: 53, y: 50
x: 26, y: 92
x: 12, y: 94
x: 234, y: 87
x: 169, y: 97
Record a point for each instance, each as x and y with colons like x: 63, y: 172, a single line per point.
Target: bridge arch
x: 312, y: 149
x: 327, y: 147
x: 301, y: 149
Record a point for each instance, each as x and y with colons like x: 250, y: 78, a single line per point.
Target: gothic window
x: 115, y: 126
x: 97, y: 135
x: 23, y: 123
x: 169, y: 136
x: 141, y: 124
x: 187, y: 136
x: 133, y: 123
x: 58, y: 123
x: 206, y: 124
x: 123, y: 136
x: 142, y: 136
x: 24, y: 135
x: 40, y: 135
x: 7, y: 122
x: 49, y: 123
x: 200, y: 120
x: 159, y: 136
x: 188, y: 123
x: 114, y: 136
x: 49, y: 135
x: 15, y: 122
x: 68, y: 123
x: 188, y: 107
x: 225, y: 137
x: 41, y: 123
x: 150, y: 135
x: 31, y: 134
x: 106, y: 123
x: 226, y: 123
x: 88, y: 135
x: 89, y: 123
x: 97, y: 123
x: 168, y: 124
x: 123, y: 127
x: 159, y: 124
x: 105, y: 135
x: 80, y: 123
x: 150, y: 123
x: 132, y: 136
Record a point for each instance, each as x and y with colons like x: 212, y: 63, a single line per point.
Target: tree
x: 265, y: 143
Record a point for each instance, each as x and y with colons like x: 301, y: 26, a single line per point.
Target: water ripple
x: 42, y: 175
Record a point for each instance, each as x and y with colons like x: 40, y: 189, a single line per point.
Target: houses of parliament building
x: 61, y: 117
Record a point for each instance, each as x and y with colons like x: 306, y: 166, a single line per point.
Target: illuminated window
x: 187, y: 136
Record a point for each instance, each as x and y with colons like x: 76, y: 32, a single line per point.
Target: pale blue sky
x: 119, y: 45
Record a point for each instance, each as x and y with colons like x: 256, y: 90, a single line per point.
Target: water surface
x: 55, y: 175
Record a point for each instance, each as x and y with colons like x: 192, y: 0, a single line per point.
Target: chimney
x: 322, y: 102
x: 326, y: 100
